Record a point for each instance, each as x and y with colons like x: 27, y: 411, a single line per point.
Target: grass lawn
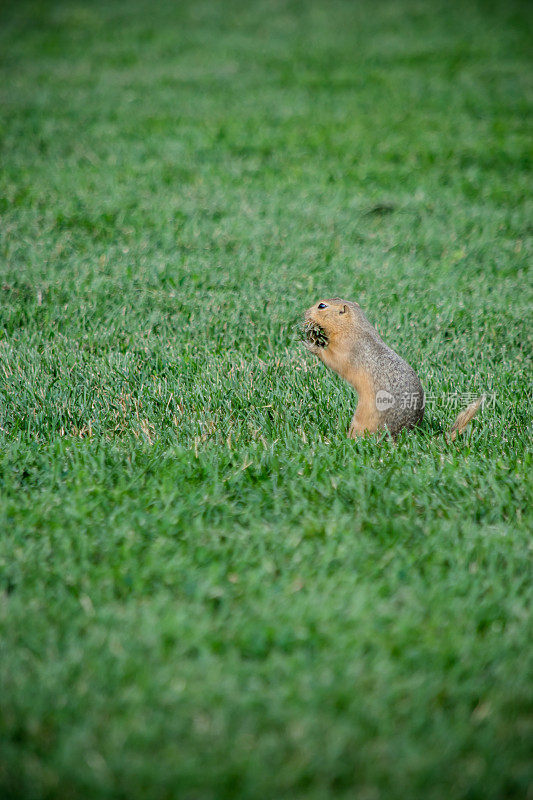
x: 206, y: 590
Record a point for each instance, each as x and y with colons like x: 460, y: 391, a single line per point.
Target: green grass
x: 207, y: 591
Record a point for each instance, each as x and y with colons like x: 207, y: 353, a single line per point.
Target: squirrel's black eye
x: 322, y: 305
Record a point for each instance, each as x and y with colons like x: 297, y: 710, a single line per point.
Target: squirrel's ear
x: 344, y: 309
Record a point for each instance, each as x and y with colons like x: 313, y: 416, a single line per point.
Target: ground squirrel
x: 389, y: 390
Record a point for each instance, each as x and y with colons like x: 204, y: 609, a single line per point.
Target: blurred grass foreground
x: 206, y: 591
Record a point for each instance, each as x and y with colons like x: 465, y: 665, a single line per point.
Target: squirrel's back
x: 398, y: 391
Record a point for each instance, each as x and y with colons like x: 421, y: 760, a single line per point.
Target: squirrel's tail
x: 464, y: 418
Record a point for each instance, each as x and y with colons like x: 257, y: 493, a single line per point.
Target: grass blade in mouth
x: 315, y: 334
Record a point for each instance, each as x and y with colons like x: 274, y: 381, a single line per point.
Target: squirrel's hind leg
x: 362, y: 424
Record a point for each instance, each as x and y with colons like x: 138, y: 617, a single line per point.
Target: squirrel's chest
x: 344, y: 365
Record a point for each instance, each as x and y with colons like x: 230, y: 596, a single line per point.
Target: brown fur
x: 464, y: 418
x: 390, y: 395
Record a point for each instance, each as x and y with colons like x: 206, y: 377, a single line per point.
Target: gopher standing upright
x: 389, y: 390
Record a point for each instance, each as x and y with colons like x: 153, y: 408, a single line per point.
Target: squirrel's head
x: 329, y: 321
